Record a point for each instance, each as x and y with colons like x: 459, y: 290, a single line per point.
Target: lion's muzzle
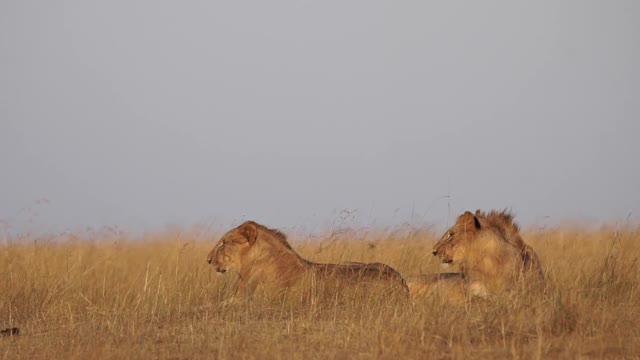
x: 443, y: 256
x: 219, y: 268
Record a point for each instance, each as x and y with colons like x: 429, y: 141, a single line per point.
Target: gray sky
x: 147, y: 113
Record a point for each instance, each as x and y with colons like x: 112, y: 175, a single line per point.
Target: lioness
x: 490, y: 252
x: 262, y: 256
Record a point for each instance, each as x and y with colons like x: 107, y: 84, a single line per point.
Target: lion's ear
x: 469, y: 221
x: 249, y: 230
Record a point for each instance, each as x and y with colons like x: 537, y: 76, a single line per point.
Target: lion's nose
x: 434, y: 252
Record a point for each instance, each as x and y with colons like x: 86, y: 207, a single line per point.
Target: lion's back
x: 362, y: 274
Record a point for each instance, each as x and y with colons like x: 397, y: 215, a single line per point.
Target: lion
x: 263, y: 257
x: 490, y: 252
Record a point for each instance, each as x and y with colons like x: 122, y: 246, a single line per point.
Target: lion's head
x: 233, y: 247
x: 452, y: 247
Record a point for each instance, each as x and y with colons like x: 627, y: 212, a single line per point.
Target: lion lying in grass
x: 262, y: 257
x: 489, y: 250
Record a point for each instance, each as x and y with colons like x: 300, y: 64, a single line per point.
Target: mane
x: 274, y: 234
x: 502, y: 221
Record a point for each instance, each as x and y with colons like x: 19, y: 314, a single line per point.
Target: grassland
x: 107, y: 295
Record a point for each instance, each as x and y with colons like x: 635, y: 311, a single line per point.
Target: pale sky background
x: 148, y: 113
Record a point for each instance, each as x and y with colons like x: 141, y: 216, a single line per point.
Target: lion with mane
x: 263, y: 257
x: 490, y: 252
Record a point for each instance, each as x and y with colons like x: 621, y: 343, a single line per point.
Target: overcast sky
x: 148, y: 113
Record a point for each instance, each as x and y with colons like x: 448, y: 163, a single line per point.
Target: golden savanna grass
x: 108, y: 295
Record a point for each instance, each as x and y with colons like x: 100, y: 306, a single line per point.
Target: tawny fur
x: 489, y: 251
x: 263, y: 256
x: 503, y: 222
x: 448, y: 287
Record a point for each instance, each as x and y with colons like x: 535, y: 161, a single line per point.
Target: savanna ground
x: 106, y: 295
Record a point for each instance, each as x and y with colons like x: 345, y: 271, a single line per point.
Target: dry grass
x: 110, y: 296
